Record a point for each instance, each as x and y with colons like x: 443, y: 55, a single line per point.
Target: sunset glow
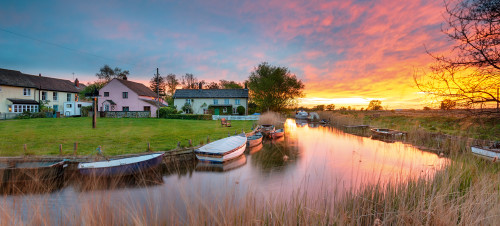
x: 346, y: 52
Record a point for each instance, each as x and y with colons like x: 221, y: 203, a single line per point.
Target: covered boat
x: 254, y: 140
x: 222, y: 150
x: 386, y: 132
x: 120, y: 167
x: 278, y: 133
x: 491, y: 153
x: 301, y: 114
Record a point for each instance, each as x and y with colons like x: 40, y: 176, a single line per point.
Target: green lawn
x: 116, y: 136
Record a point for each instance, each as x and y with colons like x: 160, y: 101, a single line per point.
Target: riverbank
x: 45, y: 136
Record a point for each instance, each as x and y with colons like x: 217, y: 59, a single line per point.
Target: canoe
x: 222, y: 150
x: 486, y: 152
x: 31, y: 175
x: 120, y: 167
x: 266, y: 130
x: 205, y: 166
x: 386, y: 132
x: 254, y: 140
x: 278, y: 133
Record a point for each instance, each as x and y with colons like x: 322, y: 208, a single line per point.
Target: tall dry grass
x: 272, y: 118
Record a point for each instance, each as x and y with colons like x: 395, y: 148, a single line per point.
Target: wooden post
x: 60, y: 149
x: 25, y: 149
x: 178, y: 144
x: 235, y: 132
x: 228, y: 134
x: 149, y: 147
x: 190, y: 143
x: 208, y: 139
x: 94, y: 118
x: 75, y: 148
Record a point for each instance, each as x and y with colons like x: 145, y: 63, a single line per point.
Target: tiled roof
x: 16, y: 78
x: 211, y: 93
x: 138, y: 88
x: 22, y: 101
x: 154, y: 102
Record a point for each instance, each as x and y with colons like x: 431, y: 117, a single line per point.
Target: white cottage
x: 212, y: 101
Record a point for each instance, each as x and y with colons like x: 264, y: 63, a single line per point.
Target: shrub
x: 85, y: 111
x: 240, y: 110
x: 190, y: 117
x: 164, y: 111
x: 28, y: 115
x: 187, y: 108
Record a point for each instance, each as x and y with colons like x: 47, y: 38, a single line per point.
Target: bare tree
x: 470, y: 74
x: 212, y: 85
x: 189, y: 81
x: 107, y: 74
x: 171, y: 84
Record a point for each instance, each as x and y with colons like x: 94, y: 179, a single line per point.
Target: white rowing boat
x: 222, y: 150
x: 486, y: 152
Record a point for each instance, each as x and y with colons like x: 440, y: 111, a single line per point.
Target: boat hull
x: 279, y: 133
x: 122, y: 169
x: 488, y: 154
x: 219, y: 158
x: 254, y: 140
x: 31, y: 179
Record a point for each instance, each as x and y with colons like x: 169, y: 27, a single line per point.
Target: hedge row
x: 186, y: 116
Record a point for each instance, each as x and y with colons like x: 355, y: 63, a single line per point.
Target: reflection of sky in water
x: 317, y: 159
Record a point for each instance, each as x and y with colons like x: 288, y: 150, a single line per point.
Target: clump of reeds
x: 271, y: 118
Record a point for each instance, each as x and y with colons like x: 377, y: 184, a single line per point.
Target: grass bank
x: 116, y: 136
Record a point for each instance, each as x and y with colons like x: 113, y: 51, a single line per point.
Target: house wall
x: 50, y: 102
x: 199, y: 104
x: 18, y: 93
x: 115, y: 89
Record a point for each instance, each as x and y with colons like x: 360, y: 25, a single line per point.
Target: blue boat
x: 121, y: 167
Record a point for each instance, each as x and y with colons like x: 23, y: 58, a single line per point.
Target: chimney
x: 77, y: 83
x: 246, y: 87
x: 40, y: 74
x: 200, y: 86
x: 125, y: 77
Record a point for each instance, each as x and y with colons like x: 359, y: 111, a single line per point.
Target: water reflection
x: 221, y: 167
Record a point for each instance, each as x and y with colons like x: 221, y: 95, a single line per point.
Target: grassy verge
x: 116, y: 136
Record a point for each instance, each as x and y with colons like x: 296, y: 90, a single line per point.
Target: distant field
x: 116, y: 136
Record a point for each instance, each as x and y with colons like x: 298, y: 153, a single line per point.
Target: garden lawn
x: 115, y: 135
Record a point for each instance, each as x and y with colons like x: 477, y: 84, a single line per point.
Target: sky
x: 346, y: 52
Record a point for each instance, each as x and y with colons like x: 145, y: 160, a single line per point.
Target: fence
x: 4, y: 116
x: 236, y: 117
x: 125, y: 114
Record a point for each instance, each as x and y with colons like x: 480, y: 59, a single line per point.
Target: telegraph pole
x: 157, y: 93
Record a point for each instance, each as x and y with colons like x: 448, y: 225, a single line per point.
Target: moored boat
x: 386, y: 132
x: 121, y: 167
x: 30, y: 175
x: 222, y: 150
x: 301, y: 114
x: 266, y: 130
x: 278, y: 133
x: 491, y: 153
x: 254, y: 140
x: 221, y: 167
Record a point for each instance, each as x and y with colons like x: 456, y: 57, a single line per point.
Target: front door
x: 216, y: 111
x: 56, y: 108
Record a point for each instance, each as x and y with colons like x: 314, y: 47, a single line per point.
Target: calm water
x: 312, y: 159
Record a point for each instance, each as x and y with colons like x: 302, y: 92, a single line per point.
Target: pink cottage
x: 124, y: 95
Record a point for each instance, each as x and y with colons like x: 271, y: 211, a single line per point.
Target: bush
x: 28, y: 115
x: 164, y: 111
x: 240, y: 110
x: 187, y: 108
x: 85, y: 111
x: 189, y: 117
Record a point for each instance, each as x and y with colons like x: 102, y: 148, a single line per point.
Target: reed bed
x: 272, y: 118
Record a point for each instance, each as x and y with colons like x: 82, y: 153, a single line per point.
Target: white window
x: 27, y: 91
x: 20, y: 108
x: 106, y: 107
x: 226, y: 101
x: 68, y: 97
x: 68, y: 105
x: 216, y: 101
x: 188, y: 101
x: 237, y: 101
x: 54, y: 96
x: 224, y: 110
x: 44, y: 95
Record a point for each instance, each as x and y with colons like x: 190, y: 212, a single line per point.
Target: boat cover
x: 118, y: 162
x: 223, y: 145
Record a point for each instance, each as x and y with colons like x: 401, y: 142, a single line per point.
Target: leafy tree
x: 90, y: 90
x: 187, y: 108
x: 158, y: 85
x: 274, y: 88
x: 330, y: 107
x: 106, y: 73
x: 319, y: 107
x: 189, y: 81
x: 240, y: 110
x: 470, y: 73
x: 171, y: 83
x: 448, y: 104
x: 252, y: 108
x: 374, y: 105
x: 343, y: 108
x: 212, y: 85
x: 229, y: 85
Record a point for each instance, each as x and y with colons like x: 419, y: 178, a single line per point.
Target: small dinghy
x: 277, y: 134
x: 30, y: 175
x: 491, y: 153
x: 222, y: 150
x: 254, y: 140
x: 120, y: 167
x: 266, y: 130
x: 386, y: 132
x: 301, y: 115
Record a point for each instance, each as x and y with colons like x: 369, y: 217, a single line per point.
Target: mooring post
x: 75, y: 148
x: 25, y: 149
x: 242, y: 131
x: 149, y: 147
x: 208, y: 139
x: 178, y: 144
x: 190, y: 143
x: 228, y: 134
x: 60, y: 149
